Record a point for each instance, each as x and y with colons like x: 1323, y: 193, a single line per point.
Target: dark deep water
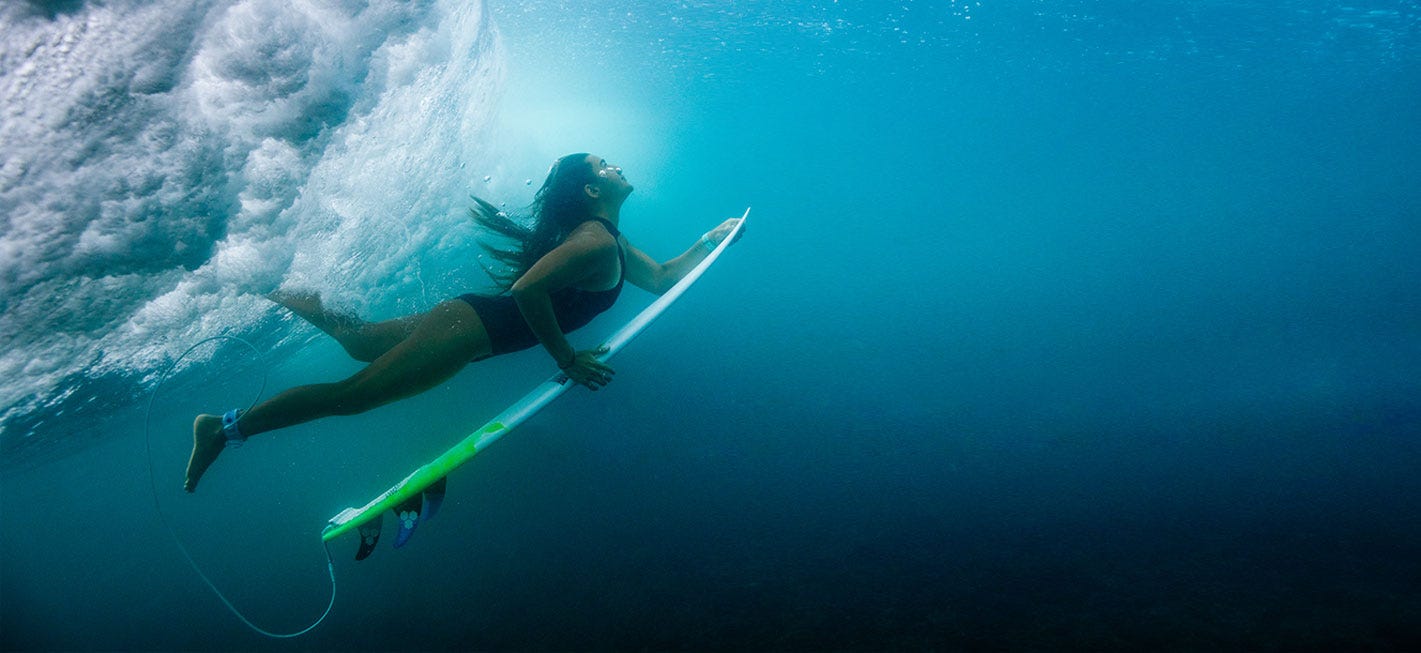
x: 1058, y: 326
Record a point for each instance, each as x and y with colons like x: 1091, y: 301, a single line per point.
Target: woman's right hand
x: 587, y: 370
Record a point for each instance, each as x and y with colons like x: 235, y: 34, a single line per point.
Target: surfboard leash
x: 162, y: 517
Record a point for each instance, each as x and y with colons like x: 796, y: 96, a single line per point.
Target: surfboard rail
x: 405, y: 496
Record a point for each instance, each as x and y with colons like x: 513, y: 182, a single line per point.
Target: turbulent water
x: 1059, y: 324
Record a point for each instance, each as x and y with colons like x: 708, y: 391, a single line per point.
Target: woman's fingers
x: 591, y: 372
x: 728, y: 226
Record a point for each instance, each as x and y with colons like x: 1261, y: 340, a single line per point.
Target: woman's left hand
x: 719, y: 234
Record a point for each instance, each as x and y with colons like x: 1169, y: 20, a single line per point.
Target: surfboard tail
x: 409, y: 513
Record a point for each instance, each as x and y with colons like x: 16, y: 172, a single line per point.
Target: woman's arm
x: 645, y: 273
x: 577, y: 260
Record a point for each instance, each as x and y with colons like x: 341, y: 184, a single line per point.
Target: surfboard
x: 416, y: 498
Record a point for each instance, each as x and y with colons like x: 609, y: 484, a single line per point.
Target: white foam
x: 162, y: 164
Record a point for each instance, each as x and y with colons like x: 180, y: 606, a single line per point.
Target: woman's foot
x: 364, y: 341
x: 207, y: 444
x: 307, y: 306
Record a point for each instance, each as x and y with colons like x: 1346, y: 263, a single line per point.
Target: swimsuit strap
x: 610, y: 227
x: 621, y: 255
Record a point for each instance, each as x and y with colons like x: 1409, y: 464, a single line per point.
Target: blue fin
x: 416, y: 510
x: 433, y: 498
x: 408, y: 514
x: 369, y: 536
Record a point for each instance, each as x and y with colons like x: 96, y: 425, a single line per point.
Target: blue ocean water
x: 1059, y: 325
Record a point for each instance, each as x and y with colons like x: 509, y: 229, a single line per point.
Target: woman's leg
x: 364, y: 341
x: 446, y: 339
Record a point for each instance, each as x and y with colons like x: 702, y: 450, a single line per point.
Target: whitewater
x: 166, y: 164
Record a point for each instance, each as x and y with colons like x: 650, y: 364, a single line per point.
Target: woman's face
x: 610, y: 177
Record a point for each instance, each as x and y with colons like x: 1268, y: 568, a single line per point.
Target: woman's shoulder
x: 595, y: 233
x: 591, y: 239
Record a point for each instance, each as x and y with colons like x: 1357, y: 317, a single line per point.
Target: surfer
x: 566, y: 265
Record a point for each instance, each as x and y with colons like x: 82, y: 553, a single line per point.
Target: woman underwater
x: 566, y: 266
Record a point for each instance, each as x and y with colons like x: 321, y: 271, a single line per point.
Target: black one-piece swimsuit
x: 509, y: 332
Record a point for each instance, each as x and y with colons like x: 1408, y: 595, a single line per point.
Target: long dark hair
x: 557, y: 208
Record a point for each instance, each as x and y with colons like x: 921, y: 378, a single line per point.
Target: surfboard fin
x: 418, y: 509
x: 369, y: 536
x: 407, y: 513
x: 433, y: 498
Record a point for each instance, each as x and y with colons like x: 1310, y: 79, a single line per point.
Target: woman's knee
x: 446, y: 339
x: 368, y: 341
x: 366, y: 344
x: 360, y: 351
